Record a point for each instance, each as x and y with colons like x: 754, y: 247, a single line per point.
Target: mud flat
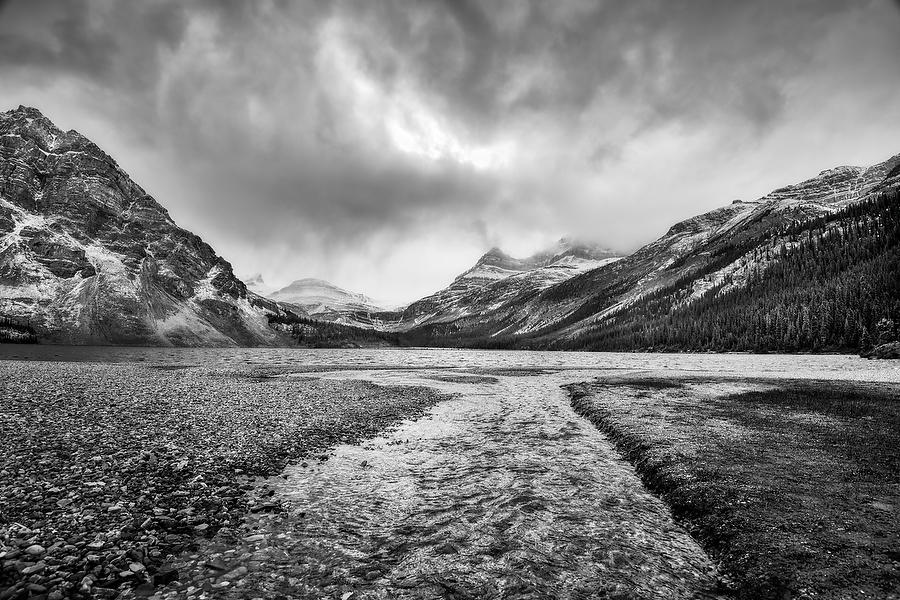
x: 792, y: 486
x: 108, y: 470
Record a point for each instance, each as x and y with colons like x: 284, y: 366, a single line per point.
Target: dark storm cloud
x: 318, y: 127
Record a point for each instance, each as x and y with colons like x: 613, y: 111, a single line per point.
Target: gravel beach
x: 109, y: 470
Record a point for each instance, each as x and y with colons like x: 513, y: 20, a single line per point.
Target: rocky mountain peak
x: 564, y: 247
x: 86, y: 255
x: 495, y: 257
x: 30, y: 124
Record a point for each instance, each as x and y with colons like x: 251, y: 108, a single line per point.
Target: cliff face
x: 87, y: 256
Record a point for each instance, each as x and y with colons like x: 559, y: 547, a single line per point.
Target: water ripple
x: 500, y: 493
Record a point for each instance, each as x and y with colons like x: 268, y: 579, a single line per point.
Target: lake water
x: 767, y: 365
x: 500, y: 492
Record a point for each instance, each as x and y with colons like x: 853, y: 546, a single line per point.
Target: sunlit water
x: 500, y: 492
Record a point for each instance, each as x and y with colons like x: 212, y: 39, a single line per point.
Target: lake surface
x: 501, y: 491
x: 737, y: 365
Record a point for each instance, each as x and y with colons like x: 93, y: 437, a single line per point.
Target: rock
x: 35, y: 568
x: 77, y: 205
x: 136, y: 567
x: 165, y: 577
x: 217, y: 564
x: 35, y: 550
x: 10, y: 592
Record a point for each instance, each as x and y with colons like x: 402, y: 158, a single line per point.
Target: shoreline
x: 765, y: 474
x: 114, y: 469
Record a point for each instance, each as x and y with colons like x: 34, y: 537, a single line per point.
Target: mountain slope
x: 86, y: 256
x: 498, y: 278
x: 823, y: 283
x: 706, y: 257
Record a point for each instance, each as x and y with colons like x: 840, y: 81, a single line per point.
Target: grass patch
x: 793, y: 487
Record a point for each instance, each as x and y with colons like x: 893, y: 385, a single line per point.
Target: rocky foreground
x: 109, y: 470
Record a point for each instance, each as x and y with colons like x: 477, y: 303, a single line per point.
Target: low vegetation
x: 794, y: 487
x: 324, y: 334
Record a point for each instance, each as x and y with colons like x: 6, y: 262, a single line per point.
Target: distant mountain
x: 325, y: 301
x: 810, y: 266
x: 498, y: 278
x: 257, y: 285
x: 87, y: 256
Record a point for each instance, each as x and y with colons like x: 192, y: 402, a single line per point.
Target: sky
x: 385, y: 145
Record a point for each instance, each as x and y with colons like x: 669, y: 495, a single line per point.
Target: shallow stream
x: 501, y: 492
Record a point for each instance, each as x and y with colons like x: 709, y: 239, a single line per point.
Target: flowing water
x: 501, y: 491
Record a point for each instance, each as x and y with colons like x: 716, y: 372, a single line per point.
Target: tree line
x: 824, y: 284
x: 16, y: 332
x: 326, y: 334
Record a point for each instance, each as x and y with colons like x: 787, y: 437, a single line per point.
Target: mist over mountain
x: 810, y: 266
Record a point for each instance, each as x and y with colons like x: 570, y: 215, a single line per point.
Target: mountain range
x: 86, y: 256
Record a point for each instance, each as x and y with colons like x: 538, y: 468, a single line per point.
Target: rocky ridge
x: 87, y: 256
x: 497, y: 278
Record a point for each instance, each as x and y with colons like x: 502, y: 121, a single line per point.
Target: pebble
x: 165, y: 459
x: 35, y: 568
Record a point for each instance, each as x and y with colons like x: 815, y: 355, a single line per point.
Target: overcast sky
x: 386, y: 145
